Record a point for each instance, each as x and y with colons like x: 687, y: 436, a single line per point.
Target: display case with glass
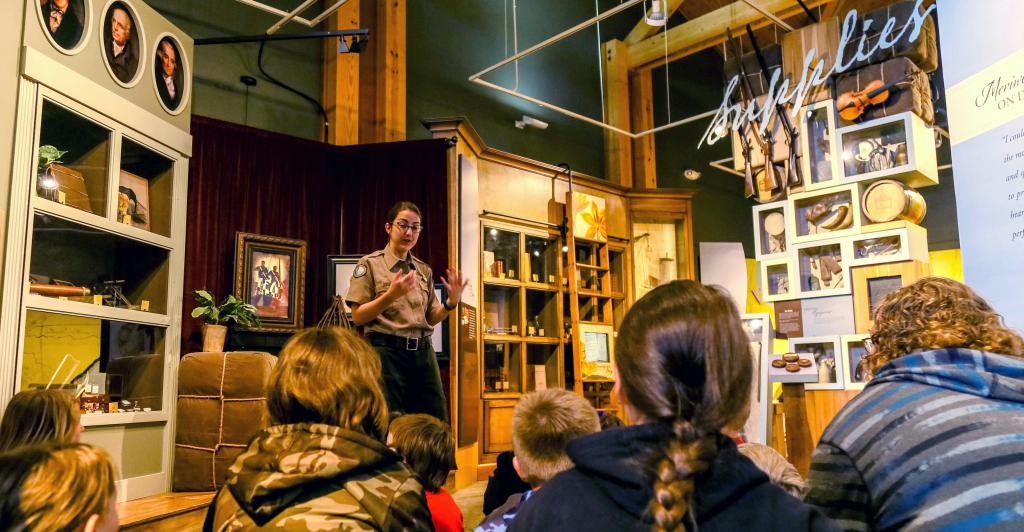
x: 820, y: 160
x: 542, y: 315
x: 502, y: 367
x: 824, y: 214
x: 855, y: 367
x: 540, y: 261
x: 826, y: 351
x: 501, y: 253
x: 822, y: 270
x: 73, y: 159
x: 145, y: 188
x: 542, y: 367
x: 778, y: 279
x: 900, y: 147
x: 502, y: 311
x: 772, y: 238
x: 904, y: 241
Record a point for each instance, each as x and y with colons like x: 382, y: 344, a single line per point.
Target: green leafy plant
x: 233, y: 309
x: 48, y: 155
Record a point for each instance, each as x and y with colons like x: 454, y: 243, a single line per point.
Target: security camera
x: 691, y: 174
x: 532, y: 122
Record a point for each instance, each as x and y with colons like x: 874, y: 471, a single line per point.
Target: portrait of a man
x: 169, y: 78
x: 64, y: 20
x: 121, y: 42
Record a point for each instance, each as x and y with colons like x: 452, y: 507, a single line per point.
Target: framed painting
x: 339, y: 270
x: 270, y: 273
x: 133, y: 201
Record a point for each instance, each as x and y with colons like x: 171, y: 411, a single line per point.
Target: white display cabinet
x: 900, y: 147
x: 778, y: 279
x: 772, y: 230
x: 818, y: 147
x: 889, y: 242
x: 855, y: 348
x: 823, y: 268
x: 827, y: 353
x: 825, y: 214
x: 93, y: 271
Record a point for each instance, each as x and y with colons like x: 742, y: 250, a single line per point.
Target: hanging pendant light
x: 655, y: 16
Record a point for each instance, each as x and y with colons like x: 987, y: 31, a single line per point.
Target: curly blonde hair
x: 936, y: 313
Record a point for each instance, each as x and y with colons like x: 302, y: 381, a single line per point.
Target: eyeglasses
x: 403, y: 227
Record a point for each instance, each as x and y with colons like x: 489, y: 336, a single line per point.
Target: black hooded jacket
x: 609, y: 490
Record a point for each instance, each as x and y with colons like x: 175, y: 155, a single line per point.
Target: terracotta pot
x: 213, y: 338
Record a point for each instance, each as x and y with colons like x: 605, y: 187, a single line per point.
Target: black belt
x: 399, y: 342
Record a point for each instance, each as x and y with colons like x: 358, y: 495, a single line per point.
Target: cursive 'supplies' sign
x: 733, y: 116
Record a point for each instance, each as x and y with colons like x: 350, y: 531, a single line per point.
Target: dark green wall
x: 217, y: 91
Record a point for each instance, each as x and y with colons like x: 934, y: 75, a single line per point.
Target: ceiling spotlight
x: 691, y: 174
x: 532, y: 122
x: 655, y: 16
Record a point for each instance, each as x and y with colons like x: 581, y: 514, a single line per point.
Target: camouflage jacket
x: 319, y: 477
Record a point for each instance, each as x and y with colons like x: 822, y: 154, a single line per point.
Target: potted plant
x: 215, y: 318
x: 48, y: 156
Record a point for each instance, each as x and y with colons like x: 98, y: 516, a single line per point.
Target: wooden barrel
x: 888, y: 200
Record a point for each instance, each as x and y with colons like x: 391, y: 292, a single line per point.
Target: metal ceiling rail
x: 293, y: 15
x: 769, y: 15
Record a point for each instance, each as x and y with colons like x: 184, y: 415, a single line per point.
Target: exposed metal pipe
x: 719, y: 166
x: 268, y: 38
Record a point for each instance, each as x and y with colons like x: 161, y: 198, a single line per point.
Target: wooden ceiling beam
x: 644, y: 30
x: 708, y: 30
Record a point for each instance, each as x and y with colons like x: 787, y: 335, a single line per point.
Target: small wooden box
x: 874, y: 282
x: 899, y: 147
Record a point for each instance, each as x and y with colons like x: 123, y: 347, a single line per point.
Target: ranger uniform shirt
x: 406, y: 317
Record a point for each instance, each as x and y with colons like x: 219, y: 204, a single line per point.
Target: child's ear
x: 519, y: 471
x: 90, y: 524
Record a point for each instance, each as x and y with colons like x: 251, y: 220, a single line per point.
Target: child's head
x: 66, y: 486
x: 39, y: 416
x: 683, y: 359
x: 427, y: 445
x: 782, y: 473
x: 328, y: 376
x: 543, y: 424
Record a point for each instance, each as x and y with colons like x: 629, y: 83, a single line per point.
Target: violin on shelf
x: 851, y: 105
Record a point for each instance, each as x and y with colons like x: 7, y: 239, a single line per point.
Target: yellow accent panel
x: 947, y: 263
x: 48, y: 337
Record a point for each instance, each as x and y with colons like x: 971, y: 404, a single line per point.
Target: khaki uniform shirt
x: 406, y: 317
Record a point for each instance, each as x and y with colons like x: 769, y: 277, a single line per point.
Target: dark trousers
x: 412, y: 380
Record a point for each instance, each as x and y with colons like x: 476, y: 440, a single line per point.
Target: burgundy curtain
x: 255, y: 181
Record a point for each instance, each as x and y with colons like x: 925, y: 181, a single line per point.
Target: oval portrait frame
x: 137, y: 30
x: 183, y: 63
x: 83, y: 41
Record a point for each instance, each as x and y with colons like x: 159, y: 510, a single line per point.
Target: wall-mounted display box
x: 772, y: 236
x: 854, y: 366
x: 872, y: 283
x: 889, y: 242
x: 822, y: 269
x: 778, y: 279
x: 826, y: 351
x: 820, y: 153
x: 825, y: 214
x: 900, y: 147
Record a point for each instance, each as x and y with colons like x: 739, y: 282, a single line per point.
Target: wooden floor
x: 471, y: 501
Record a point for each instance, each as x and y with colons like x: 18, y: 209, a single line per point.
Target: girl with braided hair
x: 683, y: 373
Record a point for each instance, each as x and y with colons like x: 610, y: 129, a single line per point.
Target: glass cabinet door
x: 501, y: 254
x: 541, y: 264
x: 502, y: 367
x: 72, y: 159
x: 145, y: 188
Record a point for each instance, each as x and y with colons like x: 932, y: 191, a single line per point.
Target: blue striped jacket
x: 934, y: 442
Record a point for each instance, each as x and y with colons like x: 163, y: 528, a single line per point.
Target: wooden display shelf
x: 94, y: 221
x: 617, y: 295
x: 501, y: 395
x: 592, y: 267
x: 594, y: 293
x: 506, y: 282
x: 123, y: 418
x: 503, y: 338
x: 541, y: 287
x: 75, y: 308
x: 543, y: 340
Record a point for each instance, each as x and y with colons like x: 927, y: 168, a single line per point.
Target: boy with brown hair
x: 543, y: 424
x: 428, y: 447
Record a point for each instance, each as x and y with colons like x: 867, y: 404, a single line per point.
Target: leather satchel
x: 71, y: 183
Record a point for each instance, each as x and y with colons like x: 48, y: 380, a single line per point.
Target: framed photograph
x: 270, y: 273
x: 122, y: 39
x: 854, y: 351
x: 133, y: 201
x: 872, y: 283
x: 340, y: 268
x: 171, y: 74
x: 66, y: 26
x: 826, y: 353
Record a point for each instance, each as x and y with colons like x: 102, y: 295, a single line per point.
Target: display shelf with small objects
x: 825, y: 214
x: 825, y: 352
x: 778, y: 279
x: 900, y: 147
x: 772, y: 230
x: 820, y: 160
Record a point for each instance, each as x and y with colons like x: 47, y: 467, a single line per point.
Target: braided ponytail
x: 683, y: 359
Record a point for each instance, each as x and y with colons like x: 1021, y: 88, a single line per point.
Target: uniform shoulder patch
x: 360, y: 271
